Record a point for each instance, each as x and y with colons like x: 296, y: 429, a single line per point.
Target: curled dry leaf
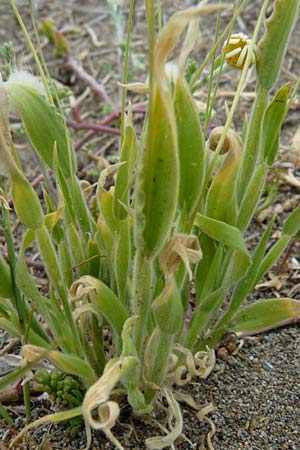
x: 97, y: 397
x: 232, y: 140
x: 183, y: 248
x: 161, y: 442
x: 199, y: 365
x: 81, y: 289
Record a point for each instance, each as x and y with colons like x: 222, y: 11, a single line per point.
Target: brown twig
x: 115, y: 115
x: 34, y: 264
x: 98, y: 88
x: 92, y: 126
x: 84, y: 139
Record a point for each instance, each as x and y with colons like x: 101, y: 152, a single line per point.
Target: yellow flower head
x: 236, y: 50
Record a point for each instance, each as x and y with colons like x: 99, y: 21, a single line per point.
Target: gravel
x: 255, y: 393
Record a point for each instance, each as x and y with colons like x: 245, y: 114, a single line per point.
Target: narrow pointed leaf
x: 122, y: 257
x: 167, y: 309
x: 292, y: 224
x: 222, y: 232
x: 273, y: 44
x: 221, y: 203
x: 191, y: 148
x: 107, y: 302
x: 43, y: 125
x: 272, y: 256
x: 247, y: 283
x: 157, y: 176
x: 251, y: 197
x: 26, y: 202
x: 6, y: 286
x: 272, y: 122
x: 128, y: 155
x: 265, y: 315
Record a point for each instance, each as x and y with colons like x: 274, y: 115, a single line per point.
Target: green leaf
x: 204, y: 267
x: 65, y: 262
x: 5, y: 415
x: 202, y: 316
x: 128, y: 154
x: 157, y: 183
x: 272, y: 122
x: 251, y: 197
x: 221, y: 202
x: 239, y: 263
x: 167, y: 309
x: 247, y: 283
x: 26, y: 202
x: 292, y: 224
x: 105, y: 201
x: 122, y: 257
x: 108, y: 304
x: 72, y: 364
x: 191, y: 148
x: 6, y: 286
x: 222, y: 232
x: 77, y: 249
x: 265, y: 315
x: 272, y: 46
x: 44, y: 126
x: 272, y: 256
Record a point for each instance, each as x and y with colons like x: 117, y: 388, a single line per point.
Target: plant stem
x: 26, y: 394
x: 32, y: 49
x: 125, y: 72
x: 150, y: 12
x: 18, y: 296
x: 56, y: 278
x: 142, y: 296
x: 251, y: 150
x: 12, y: 263
x: 156, y: 361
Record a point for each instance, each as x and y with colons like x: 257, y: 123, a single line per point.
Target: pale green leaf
x: 222, y: 232
x: 265, y: 315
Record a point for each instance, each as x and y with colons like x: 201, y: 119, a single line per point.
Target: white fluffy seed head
x: 26, y: 78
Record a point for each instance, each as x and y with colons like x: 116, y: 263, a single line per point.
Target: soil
x: 255, y: 387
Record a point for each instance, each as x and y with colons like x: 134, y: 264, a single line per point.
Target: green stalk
x: 97, y: 339
x: 157, y: 362
x: 159, y: 15
x: 210, y: 102
x: 26, y: 395
x: 260, y: 108
x: 19, y: 299
x: 142, y: 296
x: 202, y: 317
x: 56, y: 278
x: 150, y: 12
x: 83, y: 216
x: 125, y: 72
x: 252, y: 145
x: 32, y: 49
